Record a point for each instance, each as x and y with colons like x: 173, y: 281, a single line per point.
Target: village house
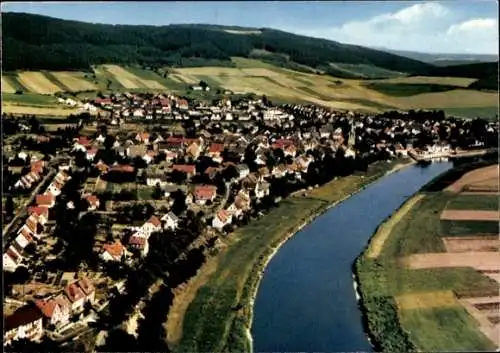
x: 142, y: 137
x: 93, y: 202
x: 113, y: 252
x: 42, y: 213
x: 193, y: 150
x: 139, y: 242
x: 152, y: 225
x: 222, y: 219
x: 261, y: 190
x: 189, y: 170
x: 91, y: 152
x: 11, y: 259
x: 76, y: 297
x: 25, y: 323
x: 45, y: 200
x: 157, y: 179
x: 204, y: 193
x: 170, y: 221
x: 88, y: 289
x: 56, y: 310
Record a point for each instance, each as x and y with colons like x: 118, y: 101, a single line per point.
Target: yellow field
x: 423, y: 300
x: 453, y: 81
x: 74, y: 81
x: 6, y: 87
x: 24, y: 109
x: 129, y: 80
x: 37, y: 82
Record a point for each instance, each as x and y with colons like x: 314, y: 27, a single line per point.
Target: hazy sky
x: 456, y: 26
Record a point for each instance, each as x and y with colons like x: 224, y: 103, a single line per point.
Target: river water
x: 306, y: 301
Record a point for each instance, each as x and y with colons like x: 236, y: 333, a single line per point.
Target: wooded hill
x: 34, y: 42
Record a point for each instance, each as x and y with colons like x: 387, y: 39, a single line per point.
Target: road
x: 21, y: 210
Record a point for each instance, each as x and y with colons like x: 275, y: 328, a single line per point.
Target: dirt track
x: 472, y: 243
x: 483, y: 261
x: 488, y: 175
x: 470, y: 215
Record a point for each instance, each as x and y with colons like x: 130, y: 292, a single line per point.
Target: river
x: 306, y: 301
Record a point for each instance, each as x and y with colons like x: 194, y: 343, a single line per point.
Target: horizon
x: 465, y: 28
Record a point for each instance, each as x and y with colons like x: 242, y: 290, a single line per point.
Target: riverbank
x: 220, y: 316
x: 403, y: 308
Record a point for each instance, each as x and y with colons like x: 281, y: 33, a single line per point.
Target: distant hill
x: 476, y: 70
x: 38, y: 42
x: 443, y: 59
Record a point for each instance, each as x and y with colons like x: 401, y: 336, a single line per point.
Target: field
x: 74, y: 81
x: 211, y: 322
x: 37, y: 82
x: 279, y: 84
x: 430, y: 267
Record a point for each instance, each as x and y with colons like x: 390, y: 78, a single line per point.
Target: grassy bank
x: 219, y: 317
x: 383, y: 279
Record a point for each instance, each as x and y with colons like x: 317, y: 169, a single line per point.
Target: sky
x: 454, y: 26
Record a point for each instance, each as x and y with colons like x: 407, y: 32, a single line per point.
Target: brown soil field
x: 473, y: 243
x: 422, y: 300
x: 480, y: 260
x: 473, y: 177
x: 469, y: 215
x: 486, y: 326
x: 479, y: 193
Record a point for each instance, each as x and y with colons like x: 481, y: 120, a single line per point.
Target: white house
x: 113, y: 252
x: 222, y: 218
x: 56, y: 310
x: 242, y: 170
x: 152, y: 225
x: 171, y: 221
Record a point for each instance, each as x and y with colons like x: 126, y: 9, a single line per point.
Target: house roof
x: 115, y: 249
x: 185, y: 168
x: 22, y: 316
x: 15, y: 245
x: 142, y: 136
x: 26, y: 235
x: 47, y: 306
x: 216, y: 148
x: 38, y: 211
x: 73, y: 292
x: 122, y: 168
x: 45, y: 199
x: 154, y: 221
x: 136, y: 240
x: 92, y: 199
x: 205, y: 192
x: 223, y: 215
x: 172, y: 216
x: 86, y: 285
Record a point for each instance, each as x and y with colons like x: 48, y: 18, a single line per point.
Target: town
x: 131, y: 196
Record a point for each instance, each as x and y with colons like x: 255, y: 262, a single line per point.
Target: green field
x: 384, y: 277
x: 473, y: 202
x: 464, y: 228
x: 431, y: 331
x: 489, y: 113
x: 366, y: 71
x: 31, y: 99
x: 408, y: 89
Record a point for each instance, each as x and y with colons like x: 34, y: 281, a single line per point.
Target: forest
x: 38, y: 42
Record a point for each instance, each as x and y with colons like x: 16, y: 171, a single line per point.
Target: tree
x: 9, y: 206
x: 157, y: 192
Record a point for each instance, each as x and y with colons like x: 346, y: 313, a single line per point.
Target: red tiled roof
x: 205, y: 192
x: 122, y: 168
x: 142, y: 136
x: 154, y: 221
x: 73, y: 292
x: 216, y: 148
x: 92, y: 199
x: 91, y: 150
x: 13, y: 255
x: 135, y: 240
x: 83, y: 140
x: 282, y: 143
x: 45, y: 199
x: 46, y: 306
x: 38, y: 211
x: 32, y: 222
x: 115, y: 249
x: 191, y: 169
x: 223, y: 215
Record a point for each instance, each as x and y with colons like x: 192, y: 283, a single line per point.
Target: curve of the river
x: 306, y: 300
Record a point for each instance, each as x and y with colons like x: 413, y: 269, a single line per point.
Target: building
x: 170, y: 221
x: 25, y: 323
x: 152, y: 225
x: 204, y: 193
x: 56, y: 310
x: 113, y: 252
x: 76, y: 297
x: 222, y: 218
